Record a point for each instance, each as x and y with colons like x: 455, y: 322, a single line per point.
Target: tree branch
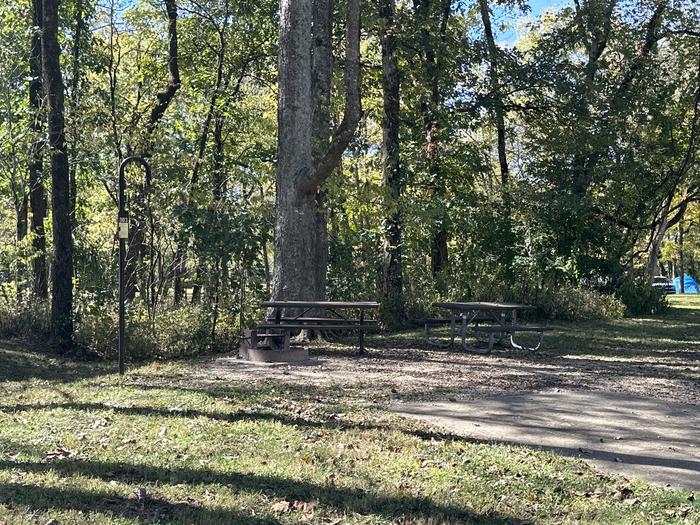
x: 353, y: 105
x: 164, y: 97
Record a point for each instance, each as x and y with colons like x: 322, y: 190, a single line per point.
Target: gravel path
x: 419, y: 373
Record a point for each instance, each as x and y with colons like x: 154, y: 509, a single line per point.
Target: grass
x: 79, y: 444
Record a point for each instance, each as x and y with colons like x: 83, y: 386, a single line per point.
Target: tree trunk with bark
x: 21, y: 205
x: 137, y: 231
x: 439, y: 253
x: 300, y: 230
x: 497, y: 106
x: 681, y: 256
x: 62, y: 262
x: 392, y: 278
x: 37, y: 194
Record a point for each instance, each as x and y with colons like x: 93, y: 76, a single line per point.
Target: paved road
x: 636, y: 437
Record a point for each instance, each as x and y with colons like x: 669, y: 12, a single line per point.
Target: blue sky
x: 536, y: 7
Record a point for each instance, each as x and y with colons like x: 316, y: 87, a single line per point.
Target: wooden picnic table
x: 472, y: 313
x: 292, y: 315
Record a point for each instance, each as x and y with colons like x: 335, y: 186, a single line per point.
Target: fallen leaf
x: 100, y: 423
x: 281, y: 506
x: 622, y: 493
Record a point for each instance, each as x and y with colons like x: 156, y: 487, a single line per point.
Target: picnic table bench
x: 291, y: 316
x: 474, y: 314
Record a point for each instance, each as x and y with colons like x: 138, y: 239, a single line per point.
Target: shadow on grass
x: 343, y: 499
x: 235, y: 417
x: 19, y: 363
x: 153, y: 510
x: 510, y: 406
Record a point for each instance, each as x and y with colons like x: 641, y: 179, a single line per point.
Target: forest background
x: 548, y: 158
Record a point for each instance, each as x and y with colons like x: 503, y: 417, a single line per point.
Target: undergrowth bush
x: 175, y: 332
x: 576, y: 303
x: 640, y: 297
x: 23, y: 318
x: 552, y: 299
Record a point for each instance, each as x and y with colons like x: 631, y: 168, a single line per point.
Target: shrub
x: 175, y: 332
x: 23, y: 318
x: 553, y: 299
x: 576, y: 303
x: 640, y: 297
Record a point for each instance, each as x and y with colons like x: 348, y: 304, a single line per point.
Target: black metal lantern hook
x: 123, y: 235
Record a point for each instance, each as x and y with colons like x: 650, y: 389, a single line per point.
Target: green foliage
x: 22, y: 319
x: 175, y: 332
x: 640, y: 298
x: 594, y: 151
x: 577, y: 303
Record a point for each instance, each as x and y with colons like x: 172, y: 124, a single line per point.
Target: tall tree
x: 496, y: 104
x: 431, y: 20
x: 62, y: 262
x: 37, y: 194
x: 393, y: 307
x: 163, y: 99
x: 299, y: 271
x: 74, y: 101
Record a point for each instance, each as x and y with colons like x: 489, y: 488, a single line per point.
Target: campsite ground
x: 215, y: 441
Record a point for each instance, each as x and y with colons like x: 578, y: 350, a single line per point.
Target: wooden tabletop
x: 483, y: 306
x: 320, y: 304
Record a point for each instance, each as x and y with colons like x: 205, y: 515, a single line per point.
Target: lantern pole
x: 123, y: 235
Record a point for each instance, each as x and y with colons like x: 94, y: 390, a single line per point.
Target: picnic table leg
x: 362, y: 331
x: 453, y: 322
x: 464, y: 331
x: 278, y: 315
x: 514, y: 322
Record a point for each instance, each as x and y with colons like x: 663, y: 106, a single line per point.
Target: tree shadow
x: 19, y: 363
x: 154, y: 509
x: 235, y: 417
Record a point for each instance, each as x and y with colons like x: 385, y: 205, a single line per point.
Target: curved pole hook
x: 122, y: 180
x: 123, y: 233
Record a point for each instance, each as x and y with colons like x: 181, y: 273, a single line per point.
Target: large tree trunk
x: 296, y: 273
x: 321, y: 80
x: 392, y: 278
x: 62, y: 263
x: 37, y: 194
x: 300, y: 245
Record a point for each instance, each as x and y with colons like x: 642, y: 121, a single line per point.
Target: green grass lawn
x: 80, y: 445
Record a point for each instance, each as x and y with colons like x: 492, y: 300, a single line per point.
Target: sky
x: 536, y: 8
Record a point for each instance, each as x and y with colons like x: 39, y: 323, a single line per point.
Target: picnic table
x: 473, y: 314
x: 289, y: 316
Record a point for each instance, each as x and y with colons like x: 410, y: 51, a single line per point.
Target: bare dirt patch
x: 393, y: 369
